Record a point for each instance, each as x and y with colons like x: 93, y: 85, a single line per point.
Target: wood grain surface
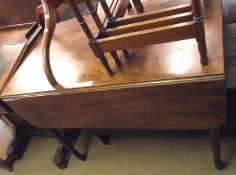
x: 162, y: 86
x: 81, y: 68
x: 181, y: 106
x: 12, y: 12
x: 10, y: 49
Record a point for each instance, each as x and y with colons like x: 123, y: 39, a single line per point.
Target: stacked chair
x: 47, y: 17
x: 155, y: 27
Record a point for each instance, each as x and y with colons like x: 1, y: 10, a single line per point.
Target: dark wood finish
x: 50, y: 23
x: 135, y: 35
x: 31, y: 37
x: 117, y: 8
x: 154, y: 14
x: 147, y: 37
x: 169, y: 69
x: 145, y: 107
x: 159, y: 22
x: 147, y: 63
x: 138, y: 5
x: 199, y: 30
x: 105, y: 139
x: 11, y: 56
x: 12, y: 12
x: 94, y: 15
x: 68, y: 146
x: 109, y: 15
x: 215, y: 143
x: 49, y: 27
x: 15, y: 140
x: 62, y: 156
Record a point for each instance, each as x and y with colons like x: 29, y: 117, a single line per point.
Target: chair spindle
x: 106, y: 9
x: 92, y: 40
x: 95, y: 16
x: 199, y: 30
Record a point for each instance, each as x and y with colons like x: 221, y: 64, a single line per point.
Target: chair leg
x: 216, y: 148
x: 16, y: 148
x: 116, y: 59
x: 61, y: 139
x: 200, y: 37
x: 138, y: 5
x: 199, y: 30
x: 129, y: 6
x: 203, y: 52
x: 6, y: 165
x: 105, y: 139
x: 126, y: 53
x: 106, y: 65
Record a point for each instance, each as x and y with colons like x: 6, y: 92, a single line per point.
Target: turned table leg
x: 67, y: 145
x: 216, y: 148
x: 62, y: 156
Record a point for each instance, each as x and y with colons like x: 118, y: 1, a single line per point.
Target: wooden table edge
x: 162, y: 82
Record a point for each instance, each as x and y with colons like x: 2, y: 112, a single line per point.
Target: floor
x: 131, y: 155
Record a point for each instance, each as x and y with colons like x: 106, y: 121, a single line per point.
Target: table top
x: 10, y: 48
x: 75, y: 66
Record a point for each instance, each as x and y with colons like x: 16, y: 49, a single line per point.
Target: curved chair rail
x: 50, y: 16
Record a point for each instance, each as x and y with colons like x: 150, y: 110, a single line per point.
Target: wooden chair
x: 156, y: 27
x: 48, y: 18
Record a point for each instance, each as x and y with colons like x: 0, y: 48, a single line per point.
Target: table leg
x: 16, y: 148
x: 105, y: 139
x: 216, y: 148
x: 67, y: 145
x: 6, y: 165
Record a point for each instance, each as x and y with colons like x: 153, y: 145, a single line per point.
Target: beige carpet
x: 132, y: 156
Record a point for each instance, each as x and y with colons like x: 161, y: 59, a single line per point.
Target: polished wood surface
x: 161, y: 86
x: 154, y: 14
x: 154, y: 89
x: 50, y: 14
x: 13, y: 12
x: 136, y: 36
x: 181, y: 106
x: 10, y: 49
x: 147, y: 64
x: 174, y: 32
x: 151, y: 23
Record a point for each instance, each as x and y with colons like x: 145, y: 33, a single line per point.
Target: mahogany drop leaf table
x: 162, y: 87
